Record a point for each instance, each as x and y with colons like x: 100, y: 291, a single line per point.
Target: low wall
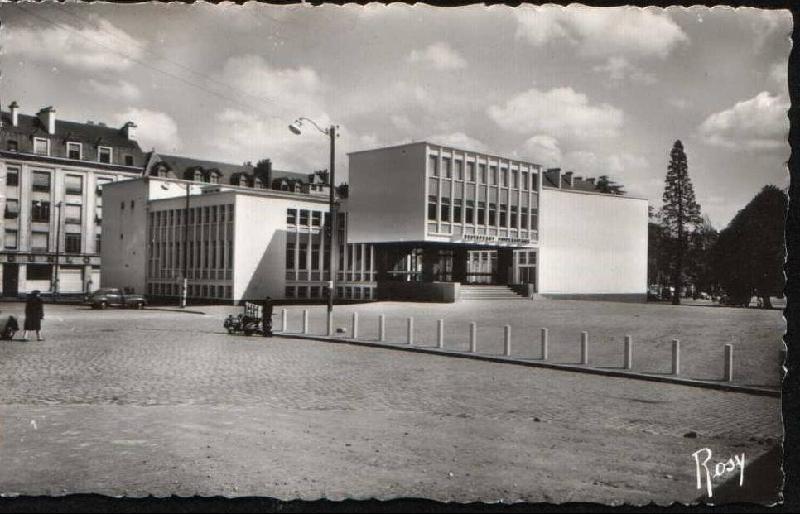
x: 631, y: 297
x: 445, y: 292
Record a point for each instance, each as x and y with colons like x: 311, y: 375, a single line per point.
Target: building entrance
x: 10, y: 279
x: 481, y: 267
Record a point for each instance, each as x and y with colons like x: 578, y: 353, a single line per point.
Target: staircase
x: 469, y: 292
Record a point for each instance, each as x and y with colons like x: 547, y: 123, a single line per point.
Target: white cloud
x: 438, y: 55
x: 758, y: 123
x: 630, y: 170
x: 679, y: 103
x: 542, y: 149
x: 618, y: 69
x: 154, y: 129
x: 459, y: 140
x: 560, y: 112
x: 97, y: 46
x: 779, y: 74
x: 119, y: 89
x: 601, y: 32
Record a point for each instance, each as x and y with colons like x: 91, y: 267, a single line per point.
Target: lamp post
x: 332, y: 134
x: 58, y: 249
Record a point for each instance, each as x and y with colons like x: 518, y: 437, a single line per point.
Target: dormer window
x: 74, y: 151
x: 12, y: 145
x: 128, y: 160
x: 213, y: 178
x: 41, y: 146
x: 198, y: 175
x: 104, y: 154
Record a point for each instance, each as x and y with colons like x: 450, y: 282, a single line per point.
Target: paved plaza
x: 162, y: 402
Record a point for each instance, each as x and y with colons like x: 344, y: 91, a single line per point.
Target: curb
x: 185, y: 311
x: 534, y: 363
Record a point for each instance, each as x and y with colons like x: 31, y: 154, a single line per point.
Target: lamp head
x: 295, y: 127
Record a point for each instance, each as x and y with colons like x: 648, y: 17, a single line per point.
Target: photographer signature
x: 707, y: 471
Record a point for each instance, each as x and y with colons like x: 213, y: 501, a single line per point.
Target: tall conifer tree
x: 680, y: 213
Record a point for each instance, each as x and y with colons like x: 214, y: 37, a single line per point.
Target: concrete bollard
x: 330, y: 323
x: 628, y: 361
x: 440, y: 333
x: 507, y: 340
x: 305, y: 321
x: 381, y: 328
x: 676, y: 357
x: 410, y: 331
x: 473, y: 337
x: 728, y: 363
x: 284, y: 323
x: 584, y: 347
x: 544, y: 344
x: 355, y: 325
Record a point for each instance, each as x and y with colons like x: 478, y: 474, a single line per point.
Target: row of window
x: 349, y: 292
x: 40, y: 241
x: 40, y: 211
x: 491, y: 174
x: 41, y: 183
x: 207, y: 214
x: 306, y: 217
x: 495, y: 215
x: 193, y: 290
x: 41, y: 146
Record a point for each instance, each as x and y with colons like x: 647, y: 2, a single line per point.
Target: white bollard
x: 584, y: 347
x: 305, y: 321
x: 381, y: 328
x: 544, y: 344
x: 507, y: 340
x: 728, y: 363
x: 355, y: 325
x: 628, y: 360
x: 439, y: 333
x: 473, y: 337
x: 676, y: 357
x: 284, y: 323
x: 410, y: 331
x: 330, y: 323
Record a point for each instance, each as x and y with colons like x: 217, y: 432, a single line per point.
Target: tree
x: 608, y: 186
x: 700, y: 263
x: 749, y: 254
x: 657, y: 254
x: 680, y: 213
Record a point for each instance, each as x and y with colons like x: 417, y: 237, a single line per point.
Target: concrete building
x: 420, y: 221
x: 52, y: 174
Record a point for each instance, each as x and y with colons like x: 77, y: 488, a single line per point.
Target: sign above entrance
x: 481, y: 238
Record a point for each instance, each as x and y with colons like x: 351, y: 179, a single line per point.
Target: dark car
x: 113, y: 297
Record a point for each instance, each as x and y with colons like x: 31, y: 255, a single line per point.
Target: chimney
x: 570, y: 178
x: 129, y: 130
x: 554, y: 175
x: 14, y: 108
x: 48, y: 118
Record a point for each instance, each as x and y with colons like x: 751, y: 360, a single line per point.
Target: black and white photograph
x: 373, y: 252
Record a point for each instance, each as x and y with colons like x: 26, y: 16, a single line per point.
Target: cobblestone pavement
x: 138, y: 402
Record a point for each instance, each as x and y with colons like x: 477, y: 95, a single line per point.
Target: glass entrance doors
x: 481, y: 267
x: 525, y: 267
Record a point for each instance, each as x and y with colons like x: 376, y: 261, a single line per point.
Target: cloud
x: 758, y: 123
x: 459, y: 140
x: 631, y: 170
x: 97, y: 46
x: 618, y: 69
x: 119, y: 89
x: 601, y: 32
x: 779, y: 74
x: 154, y: 129
x: 560, y: 112
x: 438, y: 55
x: 542, y: 149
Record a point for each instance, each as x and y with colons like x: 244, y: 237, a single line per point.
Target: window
x: 482, y: 170
x: 73, y: 184
x: 302, y: 292
x: 41, y: 146
x: 128, y: 159
x: 493, y: 175
x: 457, y: 210
x: 524, y: 184
x: 72, y: 243
x: 503, y: 214
x: 39, y: 272
x: 469, y: 212
x: 459, y: 169
x: 481, y: 213
x: 104, y: 154
x: 515, y: 179
x: 72, y: 214
x: 433, y: 165
x: 291, y: 217
x: 314, y: 256
x: 74, y: 151
x: 10, y: 241
x: 97, y: 239
x: 316, y: 218
x: 303, y: 254
x: 523, y: 220
x: 12, y: 176
x: 446, y: 167
x: 492, y: 211
x: 471, y: 171
x: 314, y: 291
x: 39, y: 241
x: 12, y: 209
x: 303, y: 217
x: 432, y: 208
x: 41, y: 181
x: 40, y: 211
x: 12, y: 145
x: 445, y: 209
x: 289, y: 291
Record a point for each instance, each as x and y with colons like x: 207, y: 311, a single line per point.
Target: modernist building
x: 51, y: 177
x: 420, y: 219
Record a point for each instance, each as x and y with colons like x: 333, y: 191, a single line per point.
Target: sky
x: 592, y: 90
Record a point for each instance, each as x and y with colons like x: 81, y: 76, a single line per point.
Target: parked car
x: 113, y: 297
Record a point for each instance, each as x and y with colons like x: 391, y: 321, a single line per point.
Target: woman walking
x: 34, y: 313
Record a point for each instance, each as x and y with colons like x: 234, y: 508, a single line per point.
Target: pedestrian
x: 34, y: 314
x: 266, y: 317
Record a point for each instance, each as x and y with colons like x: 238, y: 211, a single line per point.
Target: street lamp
x: 331, y: 132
